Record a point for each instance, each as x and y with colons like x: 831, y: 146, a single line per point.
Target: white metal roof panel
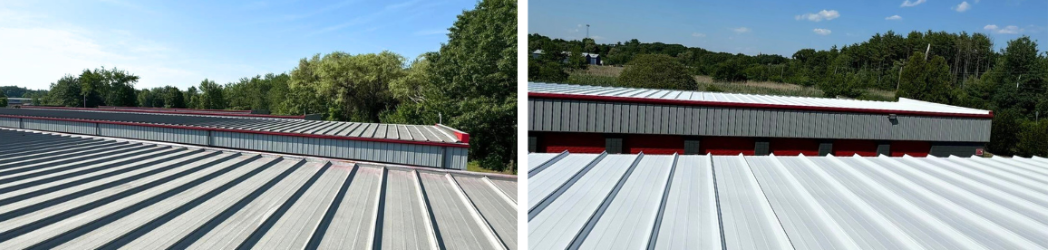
x: 106, y: 194
x: 902, y: 105
x: 770, y: 202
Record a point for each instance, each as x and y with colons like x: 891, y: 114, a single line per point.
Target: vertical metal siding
x: 9, y: 122
x: 555, y: 115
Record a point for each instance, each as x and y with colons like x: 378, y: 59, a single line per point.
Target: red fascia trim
x: 441, y: 144
x: 461, y: 136
x: 169, y: 112
x: 751, y: 105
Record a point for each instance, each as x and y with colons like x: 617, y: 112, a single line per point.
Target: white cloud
x: 822, y: 15
x: 893, y: 18
x: 698, y: 34
x: 964, y: 6
x: 907, y: 3
x: 741, y: 30
x: 1010, y: 29
x: 822, y: 31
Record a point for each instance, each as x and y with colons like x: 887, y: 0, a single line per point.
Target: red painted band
x: 166, y: 112
x: 461, y: 136
x: 752, y: 105
x: 426, y: 143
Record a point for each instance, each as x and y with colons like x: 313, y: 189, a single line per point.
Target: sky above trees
x: 180, y: 42
x: 782, y: 27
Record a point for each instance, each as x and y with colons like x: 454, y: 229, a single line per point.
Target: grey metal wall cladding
x: 186, y: 136
x: 61, y: 126
x: 397, y: 153
x: 559, y: 115
x: 956, y: 149
x: 410, y: 154
x: 9, y: 122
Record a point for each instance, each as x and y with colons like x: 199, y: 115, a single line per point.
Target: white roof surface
x: 771, y: 202
x: 903, y: 104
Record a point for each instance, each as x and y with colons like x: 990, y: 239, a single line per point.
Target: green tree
x: 474, y: 83
x: 656, y: 71
x: 211, y: 96
x: 3, y: 100
x: 92, y: 84
x: 1006, y: 125
x: 173, y: 98
x: 576, y: 60
x: 192, y: 97
x: 1033, y: 139
x: 927, y: 81
x: 65, y: 92
x: 356, y: 85
x: 730, y: 70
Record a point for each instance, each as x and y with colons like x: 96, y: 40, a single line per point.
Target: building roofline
x: 441, y: 144
x: 752, y: 105
x: 173, y: 112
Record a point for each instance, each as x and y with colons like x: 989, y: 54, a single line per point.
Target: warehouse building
x: 592, y: 119
x: 418, y: 145
x: 60, y: 191
x: 641, y: 201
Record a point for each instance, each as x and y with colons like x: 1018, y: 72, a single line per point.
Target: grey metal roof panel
x: 765, y: 202
x: 140, y: 195
x: 332, y: 128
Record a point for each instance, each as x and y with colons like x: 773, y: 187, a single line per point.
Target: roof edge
x: 459, y: 135
x: 175, y: 112
x: 989, y: 115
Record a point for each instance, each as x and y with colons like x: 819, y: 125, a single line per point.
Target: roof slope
x: 770, y: 202
x: 744, y: 100
x: 419, y: 133
x: 62, y: 192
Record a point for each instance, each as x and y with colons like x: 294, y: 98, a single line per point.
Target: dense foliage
x: 656, y: 71
x: 951, y: 68
x: 469, y: 84
x: 3, y: 100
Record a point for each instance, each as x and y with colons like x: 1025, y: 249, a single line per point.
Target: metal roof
x: 87, y: 193
x: 349, y: 130
x: 903, y: 106
x: 591, y: 201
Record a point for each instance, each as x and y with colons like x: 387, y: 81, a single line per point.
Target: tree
x: 730, y: 70
x: 192, y: 97
x: 1006, y: 125
x: 474, y: 83
x: 173, y: 98
x: 66, y: 92
x: 120, y: 87
x: 1033, y: 139
x: 3, y: 99
x: 92, y: 84
x: 211, y: 96
x: 927, y: 81
x: 656, y: 71
x: 576, y: 60
x: 356, y: 85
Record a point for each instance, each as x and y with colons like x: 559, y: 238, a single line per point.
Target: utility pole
x: 926, y: 51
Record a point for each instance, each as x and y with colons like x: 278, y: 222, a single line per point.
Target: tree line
x: 951, y: 68
x: 469, y: 84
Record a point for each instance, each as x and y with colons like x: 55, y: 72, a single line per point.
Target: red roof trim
x: 167, y: 112
x: 752, y: 105
x: 441, y: 144
x: 461, y: 136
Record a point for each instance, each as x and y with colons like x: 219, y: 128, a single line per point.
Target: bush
x: 729, y: 71
x: 656, y: 71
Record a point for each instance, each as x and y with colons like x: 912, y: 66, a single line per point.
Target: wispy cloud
x: 741, y: 30
x: 822, y: 32
x: 964, y: 6
x: 893, y: 18
x: 1010, y: 29
x: 402, y: 5
x: 696, y: 34
x: 907, y: 3
x: 821, y: 15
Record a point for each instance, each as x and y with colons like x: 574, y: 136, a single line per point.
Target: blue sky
x: 180, y: 43
x: 783, y: 27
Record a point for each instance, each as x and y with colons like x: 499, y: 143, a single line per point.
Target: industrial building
x: 641, y: 201
x: 61, y: 191
x: 418, y: 145
x: 593, y: 119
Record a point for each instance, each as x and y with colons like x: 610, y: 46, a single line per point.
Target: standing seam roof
x: 773, y: 202
x: 72, y: 192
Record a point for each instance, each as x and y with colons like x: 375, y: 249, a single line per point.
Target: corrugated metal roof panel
x: 770, y: 202
x: 73, y: 192
x: 731, y: 98
x: 373, y: 130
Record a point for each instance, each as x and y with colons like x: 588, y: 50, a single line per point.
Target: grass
x: 474, y: 166
x: 608, y: 76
